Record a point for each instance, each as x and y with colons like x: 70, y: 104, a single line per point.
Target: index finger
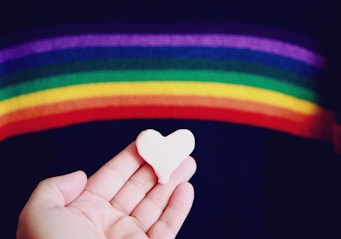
x: 108, y: 180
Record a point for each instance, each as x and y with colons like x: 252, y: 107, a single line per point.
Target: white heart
x: 165, y: 154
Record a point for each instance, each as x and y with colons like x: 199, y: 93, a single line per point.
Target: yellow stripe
x: 158, y: 88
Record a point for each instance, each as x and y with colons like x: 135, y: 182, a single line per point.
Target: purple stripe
x: 172, y: 40
x: 181, y: 28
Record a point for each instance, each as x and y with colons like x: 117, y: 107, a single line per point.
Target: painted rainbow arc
x: 55, y: 82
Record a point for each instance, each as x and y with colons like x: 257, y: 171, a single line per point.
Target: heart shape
x: 165, y: 153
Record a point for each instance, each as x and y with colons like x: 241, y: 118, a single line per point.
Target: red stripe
x: 307, y: 128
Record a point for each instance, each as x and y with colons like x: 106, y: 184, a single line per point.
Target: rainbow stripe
x: 71, y: 79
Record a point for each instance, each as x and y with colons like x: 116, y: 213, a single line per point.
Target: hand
x: 121, y: 200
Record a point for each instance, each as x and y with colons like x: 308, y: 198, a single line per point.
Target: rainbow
x: 71, y: 79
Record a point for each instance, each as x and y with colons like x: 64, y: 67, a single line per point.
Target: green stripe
x: 158, y: 75
x: 157, y: 64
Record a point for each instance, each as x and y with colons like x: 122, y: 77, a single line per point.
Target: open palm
x: 121, y: 200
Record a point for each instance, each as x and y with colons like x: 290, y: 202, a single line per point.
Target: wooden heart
x: 165, y: 153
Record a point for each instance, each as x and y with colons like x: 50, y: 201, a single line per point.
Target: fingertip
x: 185, y: 171
x: 194, y: 163
x: 81, y: 175
x: 61, y: 190
x: 72, y: 184
x: 186, y: 192
x: 187, y: 186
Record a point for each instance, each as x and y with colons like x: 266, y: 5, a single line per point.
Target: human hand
x: 121, y: 200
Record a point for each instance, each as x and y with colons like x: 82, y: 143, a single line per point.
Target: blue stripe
x: 72, y: 55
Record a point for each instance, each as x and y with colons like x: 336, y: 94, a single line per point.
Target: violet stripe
x: 173, y: 40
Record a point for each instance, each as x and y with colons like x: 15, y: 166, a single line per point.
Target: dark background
x: 251, y: 183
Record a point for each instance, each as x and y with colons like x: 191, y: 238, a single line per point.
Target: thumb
x: 59, y: 190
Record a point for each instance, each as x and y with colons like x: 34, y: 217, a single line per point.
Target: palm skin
x: 121, y: 200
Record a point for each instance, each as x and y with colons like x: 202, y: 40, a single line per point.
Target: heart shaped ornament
x: 165, y: 153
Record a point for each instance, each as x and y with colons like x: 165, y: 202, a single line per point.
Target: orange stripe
x: 304, y: 129
x: 323, y: 117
